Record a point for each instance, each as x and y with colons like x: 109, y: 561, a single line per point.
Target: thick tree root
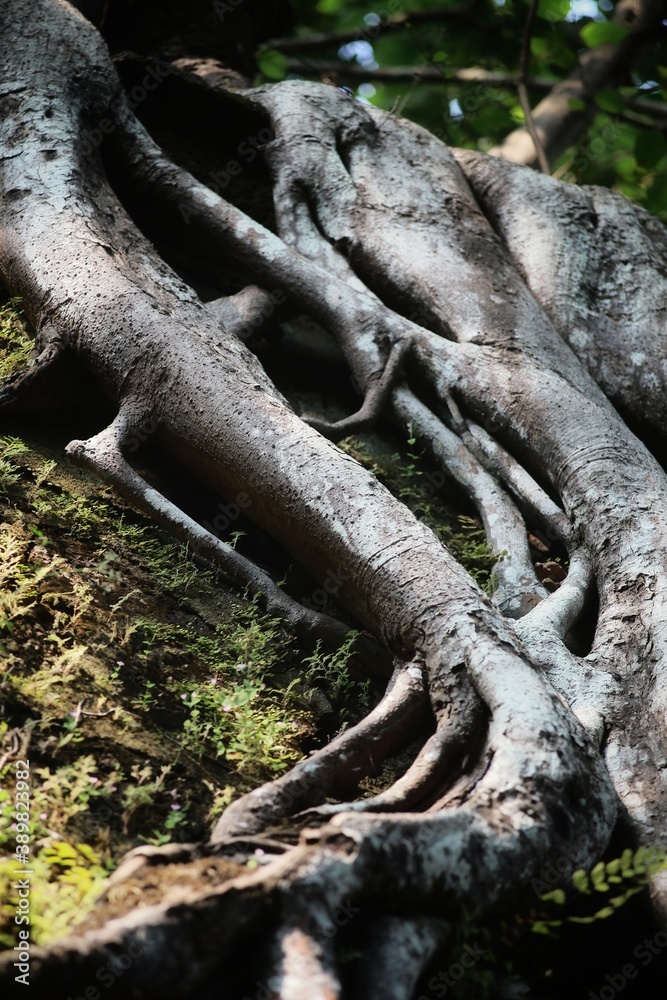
x: 248, y: 312
x: 433, y: 768
x: 103, y: 454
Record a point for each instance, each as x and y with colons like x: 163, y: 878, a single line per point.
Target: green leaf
x: 553, y: 10
x: 598, y: 873
x: 626, y: 163
x: 602, y: 33
x: 272, y: 64
x: 545, y: 926
x: 580, y: 880
x: 606, y: 911
x: 610, y: 100
x: 551, y: 50
x: 330, y: 6
x: 575, y: 104
x: 617, y: 901
x: 555, y: 896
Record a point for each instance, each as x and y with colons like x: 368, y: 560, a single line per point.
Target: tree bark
x: 510, y: 358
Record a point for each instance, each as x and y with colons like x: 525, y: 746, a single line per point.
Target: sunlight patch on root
x: 304, y: 953
x: 147, y: 856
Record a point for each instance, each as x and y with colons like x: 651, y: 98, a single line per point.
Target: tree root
x: 377, y: 394
x: 353, y: 755
x: 514, y: 772
x: 103, y: 454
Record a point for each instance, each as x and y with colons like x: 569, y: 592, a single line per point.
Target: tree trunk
x: 496, y: 311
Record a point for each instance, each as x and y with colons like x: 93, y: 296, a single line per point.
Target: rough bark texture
x: 522, y: 310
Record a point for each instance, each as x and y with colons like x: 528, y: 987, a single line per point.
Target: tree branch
x: 407, y: 74
x: 333, y: 39
x: 523, y: 90
x: 643, y: 121
x: 557, y: 123
x: 645, y: 106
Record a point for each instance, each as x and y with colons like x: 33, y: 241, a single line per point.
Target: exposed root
x: 377, y: 394
x: 499, y: 463
x: 510, y: 777
x: 103, y: 455
x: 248, y: 312
x: 305, y: 963
x: 436, y: 767
x: 354, y: 754
x: 517, y: 588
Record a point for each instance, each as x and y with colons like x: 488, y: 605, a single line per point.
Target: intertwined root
x: 376, y: 221
x: 473, y: 855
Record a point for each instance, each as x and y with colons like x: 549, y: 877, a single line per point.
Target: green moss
x: 146, y: 696
x: 408, y: 476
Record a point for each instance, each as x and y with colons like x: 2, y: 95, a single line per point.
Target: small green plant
x: 72, y: 733
x: 411, y: 470
x: 69, y: 512
x: 169, y: 561
x: 106, y: 568
x: 147, y: 698
x: 470, y: 548
x: 409, y: 478
x: 66, y: 880
x: 144, y: 789
x: 19, y: 584
x: 15, y: 344
x: 10, y: 476
x: 331, y: 671
x: 241, y: 722
x: 176, y: 816
x: 612, y: 883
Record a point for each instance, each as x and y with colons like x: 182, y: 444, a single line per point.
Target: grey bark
x: 529, y: 751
